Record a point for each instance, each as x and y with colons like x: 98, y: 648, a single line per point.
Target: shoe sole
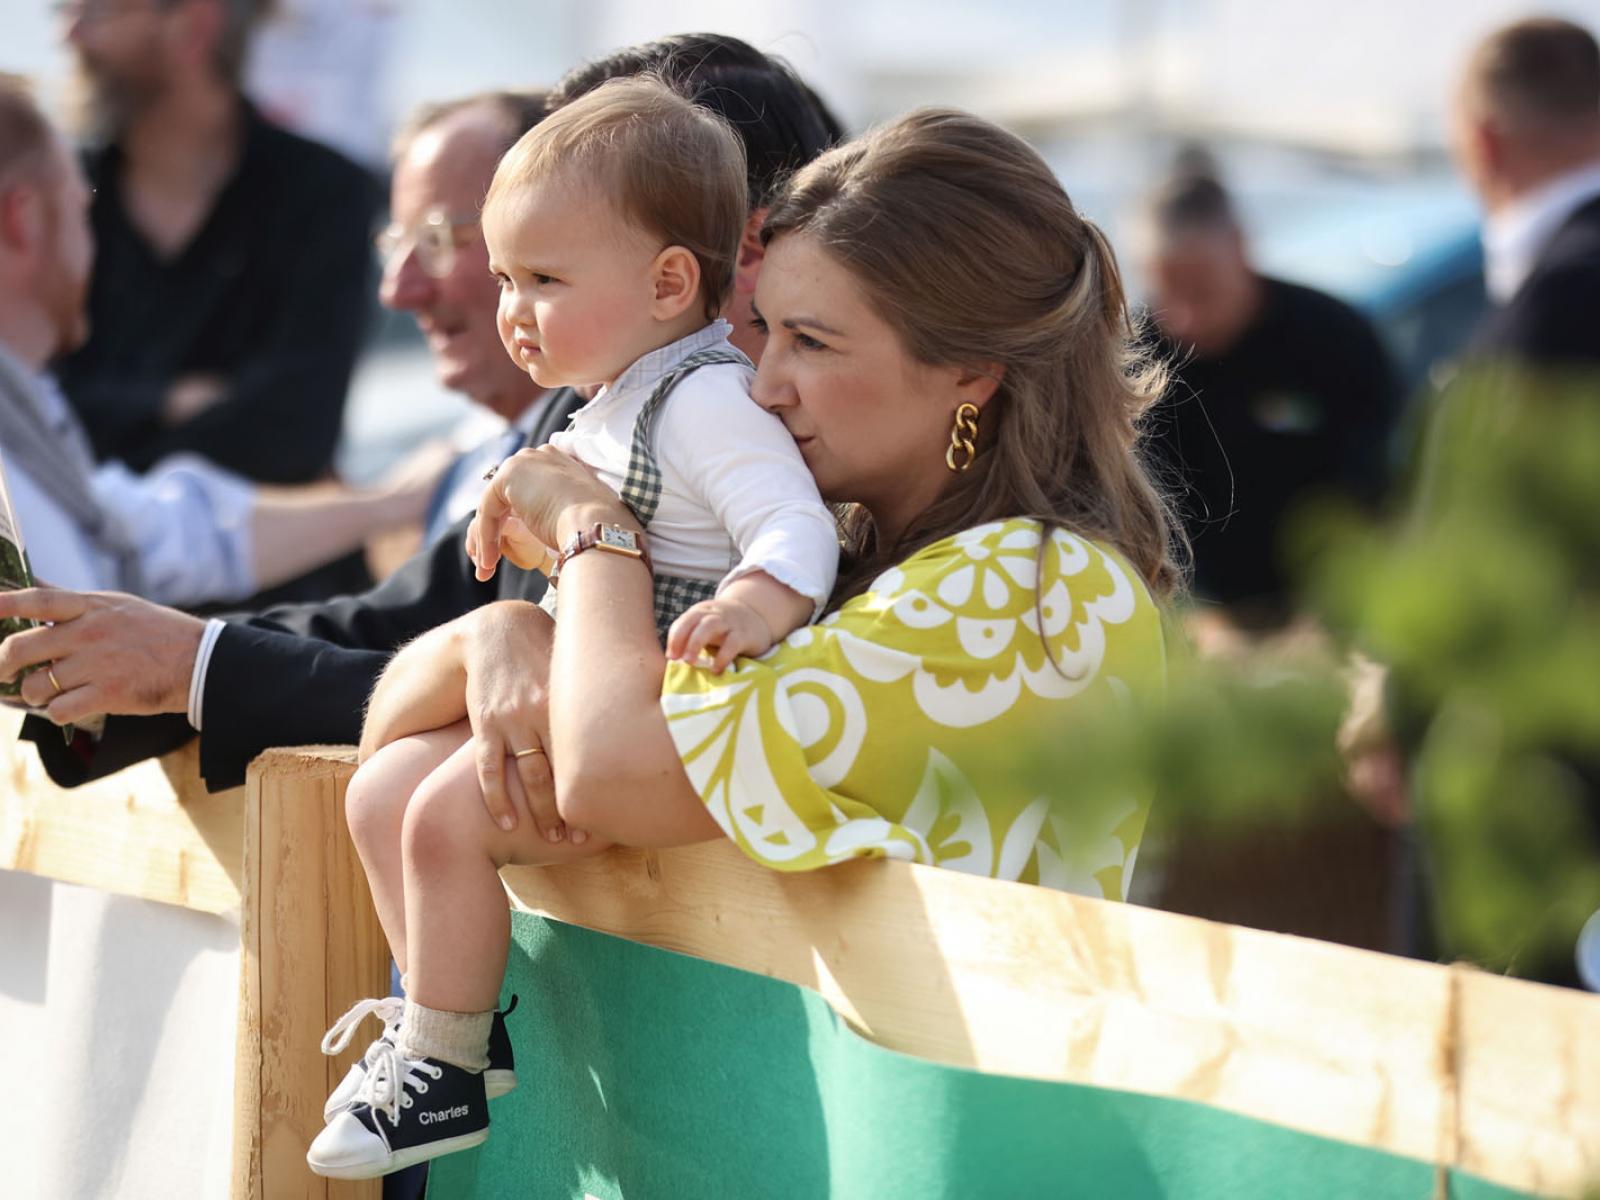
x: 402, y: 1159
x: 496, y: 1083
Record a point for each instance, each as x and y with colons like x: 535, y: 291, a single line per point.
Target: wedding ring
x: 525, y: 753
x: 50, y: 673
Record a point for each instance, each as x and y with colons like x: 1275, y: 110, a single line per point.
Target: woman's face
x: 871, y: 422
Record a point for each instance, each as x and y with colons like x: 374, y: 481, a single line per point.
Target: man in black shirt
x: 231, y: 280
x: 1281, y: 395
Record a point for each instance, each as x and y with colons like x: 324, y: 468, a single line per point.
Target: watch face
x: 620, y: 539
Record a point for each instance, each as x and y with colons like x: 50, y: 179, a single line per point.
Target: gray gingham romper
x: 641, y: 490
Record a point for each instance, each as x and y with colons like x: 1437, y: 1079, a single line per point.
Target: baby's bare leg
x: 458, y: 922
x: 375, y: 807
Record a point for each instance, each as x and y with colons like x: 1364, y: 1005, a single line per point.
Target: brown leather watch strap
x: 611, y: 539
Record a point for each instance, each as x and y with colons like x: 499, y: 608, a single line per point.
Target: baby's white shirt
x: 736, y: 496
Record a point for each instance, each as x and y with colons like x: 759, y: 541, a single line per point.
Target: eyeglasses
x: 434, y: 238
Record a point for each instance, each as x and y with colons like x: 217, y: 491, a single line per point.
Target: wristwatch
x: 613, y: 539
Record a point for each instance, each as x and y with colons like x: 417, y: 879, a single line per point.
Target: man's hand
x: 191, y: 395
x: 109, y: 653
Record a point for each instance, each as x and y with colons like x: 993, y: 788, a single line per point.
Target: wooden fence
x: 1447, y: 1065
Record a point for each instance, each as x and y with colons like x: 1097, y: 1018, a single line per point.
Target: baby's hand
x: 516, y: 543
x: 722, y: 629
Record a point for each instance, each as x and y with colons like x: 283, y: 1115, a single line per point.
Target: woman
x: 949, y: 347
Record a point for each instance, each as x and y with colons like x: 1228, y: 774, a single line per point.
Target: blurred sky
x: 1369, y: 74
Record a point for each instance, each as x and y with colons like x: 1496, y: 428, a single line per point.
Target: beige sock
x: 461, y: 1039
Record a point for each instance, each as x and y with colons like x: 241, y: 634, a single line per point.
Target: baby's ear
x: 675, y: 276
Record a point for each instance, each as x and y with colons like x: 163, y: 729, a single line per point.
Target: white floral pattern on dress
x: 886, y: 729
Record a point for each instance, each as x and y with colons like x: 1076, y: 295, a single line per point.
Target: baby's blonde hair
x: 668, y: 166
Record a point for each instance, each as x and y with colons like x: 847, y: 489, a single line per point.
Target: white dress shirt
x: 1514, y: 237
x: 736, y: 495
x: 189, y: 521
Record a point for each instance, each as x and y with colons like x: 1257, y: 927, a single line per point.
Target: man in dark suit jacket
x: 1527, y: 137
x: 302, y: 673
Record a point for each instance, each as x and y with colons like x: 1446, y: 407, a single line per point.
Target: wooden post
x: 310, y: 947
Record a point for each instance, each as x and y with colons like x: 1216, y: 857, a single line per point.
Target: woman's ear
x: 747, y: 267
x: 675, y: 276
x: 978, y: 384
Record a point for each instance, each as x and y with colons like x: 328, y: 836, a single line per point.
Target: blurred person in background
x: 1281, y: 395
x: 1526, y: 137
x: 230, y: 288
x: 302, y: 673
x: 1526, y: 124
x: 187, y: 531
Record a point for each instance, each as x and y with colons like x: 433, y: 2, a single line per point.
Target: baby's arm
x: 744, y: 467
x: 747, y: 617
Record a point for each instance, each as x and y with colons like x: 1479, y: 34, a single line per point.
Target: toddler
x: 612, y: 228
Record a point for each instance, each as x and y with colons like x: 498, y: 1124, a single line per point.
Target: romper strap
x: 641, y: 487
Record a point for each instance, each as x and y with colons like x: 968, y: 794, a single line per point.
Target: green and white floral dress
x: 887, y: 729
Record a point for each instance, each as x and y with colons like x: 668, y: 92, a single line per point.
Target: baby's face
x: 576, y: 285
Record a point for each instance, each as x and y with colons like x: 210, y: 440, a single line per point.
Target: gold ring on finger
x: 50, y: 674
x: 525, y: 753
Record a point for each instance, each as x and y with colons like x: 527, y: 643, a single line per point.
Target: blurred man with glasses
x: 436, y: 267
x: 230, y: 287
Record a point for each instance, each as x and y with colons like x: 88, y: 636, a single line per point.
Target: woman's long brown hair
x: 971, y: 250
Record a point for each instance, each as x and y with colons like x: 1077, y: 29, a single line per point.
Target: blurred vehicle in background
x: 1408, y: 255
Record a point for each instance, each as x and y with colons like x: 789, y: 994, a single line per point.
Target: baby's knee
x: 374, y: 801
x: 444, y: 820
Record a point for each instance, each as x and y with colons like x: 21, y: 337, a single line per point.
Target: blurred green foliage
x: 1481, y: 595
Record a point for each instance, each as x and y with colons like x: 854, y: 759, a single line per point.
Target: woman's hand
x: 506, y: 650
x: 516, y: 543
x: 550, y: 493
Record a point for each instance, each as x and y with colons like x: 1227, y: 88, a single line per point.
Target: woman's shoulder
x: 1043, y: 610
x: 994, y: 567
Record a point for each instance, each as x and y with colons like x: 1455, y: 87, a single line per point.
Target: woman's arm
x: 617, y: 771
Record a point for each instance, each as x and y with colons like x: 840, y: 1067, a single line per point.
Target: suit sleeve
x: 291, y: 675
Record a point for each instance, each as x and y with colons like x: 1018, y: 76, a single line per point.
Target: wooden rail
x: 1448, y: 1065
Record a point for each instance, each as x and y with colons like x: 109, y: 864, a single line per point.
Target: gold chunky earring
x: 961, y: 435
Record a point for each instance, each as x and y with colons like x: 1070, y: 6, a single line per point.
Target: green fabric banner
x: 647, y: 1075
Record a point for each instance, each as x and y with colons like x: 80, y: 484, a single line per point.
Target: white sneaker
x: 407, y: 1111
x: 388, y: 1010
x: 498, y: 1079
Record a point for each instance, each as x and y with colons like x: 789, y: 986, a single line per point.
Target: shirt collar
x: 530, y: 416
x: 1514, y: 237
x: 648, y: 368
x: 46, y: 393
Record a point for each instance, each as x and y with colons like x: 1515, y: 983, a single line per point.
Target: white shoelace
x: 388, y: 1009
x: 392, y: 1077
